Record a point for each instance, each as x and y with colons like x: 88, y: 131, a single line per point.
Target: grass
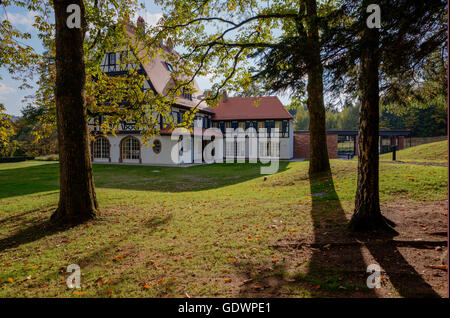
x: 165, y: 231
x: 435, y: 152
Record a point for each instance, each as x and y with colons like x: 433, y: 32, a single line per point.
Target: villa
x: 232, y: 112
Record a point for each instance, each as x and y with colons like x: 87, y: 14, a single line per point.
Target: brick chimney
x: 169, y: 44
x: 141, y: 24
x: 224, y: 96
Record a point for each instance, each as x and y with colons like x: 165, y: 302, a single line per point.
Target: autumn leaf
x: 443, y: 267
x: 78, y: 293
x: 227, y: 280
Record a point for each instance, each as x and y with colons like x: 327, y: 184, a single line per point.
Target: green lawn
x: 431, y: 152
x: 201, y: 231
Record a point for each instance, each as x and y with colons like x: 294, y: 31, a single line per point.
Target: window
x: 186, y: 95
x: 263, y: 149
x: 124, y: 57
x: 240, y: 145
x: 285, y: 128
x: 255, y: 125
x: 101, y: 148
x: 230, y: 148
x: 131, y: 148
x: 112, y: 58
x: 169, y: 67
x: 274, y: 149
x: 156, y: 146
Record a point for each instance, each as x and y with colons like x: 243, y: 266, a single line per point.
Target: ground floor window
x: 131, y: 148
x: 101, y: 148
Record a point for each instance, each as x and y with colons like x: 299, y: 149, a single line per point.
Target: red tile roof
x: 235, y: 108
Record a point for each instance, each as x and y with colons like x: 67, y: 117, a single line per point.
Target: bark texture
x: 367, y: 215
x: 77, y: 200
x: 319, y: 161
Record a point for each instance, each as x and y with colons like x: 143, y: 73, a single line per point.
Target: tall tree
x: 77, y: 199
x: 227, y: 39
x: 317, y: 126
x: 367, y: 213
x: 367, y: 57
x: 71, y: 59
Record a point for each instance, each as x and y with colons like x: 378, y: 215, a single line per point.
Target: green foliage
x: 6, y: 131
x: 346, y: 119
x: 115, y: 98
x: 420, y: 105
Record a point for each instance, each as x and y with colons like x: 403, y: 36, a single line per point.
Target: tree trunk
x: 77, y: 199
x: 318, y: 156
x: 367, y: 215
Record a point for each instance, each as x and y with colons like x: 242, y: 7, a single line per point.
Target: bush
x: 48, y: 158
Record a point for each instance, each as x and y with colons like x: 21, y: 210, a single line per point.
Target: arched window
x: 101, y: 148
x: 131, y: 148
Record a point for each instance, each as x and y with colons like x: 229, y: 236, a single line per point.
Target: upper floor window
x: 186, y: 95
x: 112, y: 58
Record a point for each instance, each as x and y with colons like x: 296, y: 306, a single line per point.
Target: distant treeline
x: 423, y: 122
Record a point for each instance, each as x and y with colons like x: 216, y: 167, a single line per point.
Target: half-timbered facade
x: 232, y: 112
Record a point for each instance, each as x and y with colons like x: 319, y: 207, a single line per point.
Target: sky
x: 10, y: 94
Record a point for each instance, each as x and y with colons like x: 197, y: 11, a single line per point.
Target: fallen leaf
x: 443, y: 267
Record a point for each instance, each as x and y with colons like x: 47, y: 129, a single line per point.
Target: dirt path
x: 412, y: 263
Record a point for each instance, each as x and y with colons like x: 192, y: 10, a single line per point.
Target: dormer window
x: 186, y: 95
x: 169, y: 67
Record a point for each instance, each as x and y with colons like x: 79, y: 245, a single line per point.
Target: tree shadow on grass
x: 40, y: 227
x: 337, y: 266
x: 405, y: 279
x: 40, y: 178
x: 339, y: 254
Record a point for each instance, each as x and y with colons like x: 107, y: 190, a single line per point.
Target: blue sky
x: 12, y: 97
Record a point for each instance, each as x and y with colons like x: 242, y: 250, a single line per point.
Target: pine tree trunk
x: 367, y: 215
x: 319, y: 161
x: 77, y: 199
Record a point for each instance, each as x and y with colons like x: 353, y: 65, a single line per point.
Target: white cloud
x: 20, y: 19
x: 4, y: 90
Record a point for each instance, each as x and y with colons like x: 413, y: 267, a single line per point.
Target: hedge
x: 15, y: 159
